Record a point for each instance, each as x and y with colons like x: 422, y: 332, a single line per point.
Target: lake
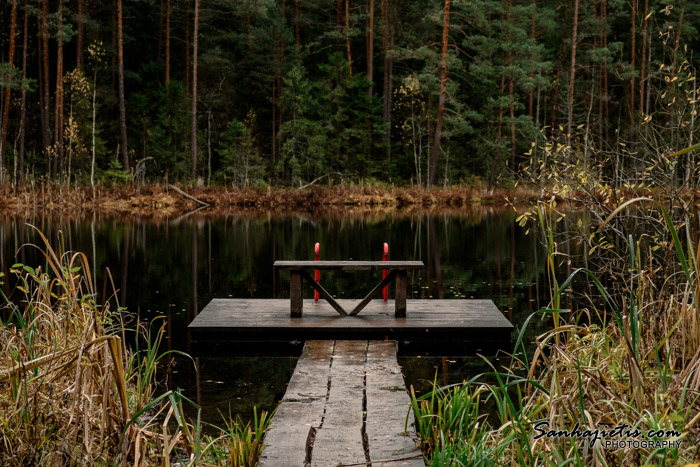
x: 171, y: 268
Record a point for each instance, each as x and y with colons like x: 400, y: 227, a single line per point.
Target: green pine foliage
x: 284, y: 94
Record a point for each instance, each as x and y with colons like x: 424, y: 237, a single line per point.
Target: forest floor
x: 166, y: 201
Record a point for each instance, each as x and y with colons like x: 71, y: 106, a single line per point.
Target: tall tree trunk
x: 339, y: 23
x: 596, y: 75
x: 572, y: 77
x: 557, y: 79
x: 647, y: 98
x: 114, y: 43
x: 387, y: 39
x: 58, y: 116
x: 94, y: 121
x: 280, y: 79
x: 79, y: 40
x: 370, y: 45
x: 187, y: 47
x: 167, y: 42
x: 642, y: 73
x: 531, y: 96
x: 347, y: 36
x: 160, y: 27
x: 274, y: 127
x: 209, y: 146
x: 511, y: 113
x: 6, y: 108
x: 42, y: 62
x: 633, y: 57
x: 297, y: 36
x: 491, y: 167
x: 23, y: 104
x: 555, y: 94
x: 606, y: 94
x: 122, y: 103
x: 195, y: 43
x: 587, y: 133
x: 441, y: 96
x: 499, y: 128
x: 511, y: 93
x: 677, y: 43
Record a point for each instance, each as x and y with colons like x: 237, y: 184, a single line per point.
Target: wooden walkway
x: 346, y: 404
x: 455, y: 327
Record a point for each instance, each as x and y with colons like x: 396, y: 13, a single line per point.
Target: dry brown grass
x: 72, y: 392
x: 63, y: 384
x: 162, y: 201
x: 631, y: 357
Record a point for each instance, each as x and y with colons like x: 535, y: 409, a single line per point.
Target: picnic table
x: 397, y: 273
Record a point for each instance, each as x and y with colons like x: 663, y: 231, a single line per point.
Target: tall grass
x: 633, y: 357
x: 72, y: 391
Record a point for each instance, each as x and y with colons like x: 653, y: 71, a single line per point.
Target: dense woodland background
x: 252, y: 92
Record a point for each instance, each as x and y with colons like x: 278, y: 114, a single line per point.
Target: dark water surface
x: 173, y: 268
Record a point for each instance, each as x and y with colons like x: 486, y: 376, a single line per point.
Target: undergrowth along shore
x: 73, y: 392
x: 157, y: 197
x: 162, y: 200
x: 629, y: 360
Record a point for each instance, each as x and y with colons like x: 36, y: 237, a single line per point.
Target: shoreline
x: 160, y: 201
x: 163, y: 202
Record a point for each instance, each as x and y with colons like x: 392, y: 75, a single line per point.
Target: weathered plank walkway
x: 462, y: 326
x: 345, y: 404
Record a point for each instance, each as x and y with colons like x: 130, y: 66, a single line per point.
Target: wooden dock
x: 346, y: 404
x: 445, y: 327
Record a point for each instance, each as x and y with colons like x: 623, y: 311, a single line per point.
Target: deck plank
x: 339, y: 440
x: 322, y: 422
x: 304, y: 403
x: 461, y: 322
x: 387, y: 406
x: 223, y: 313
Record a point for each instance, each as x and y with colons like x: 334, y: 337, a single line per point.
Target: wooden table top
x: 350, y: 265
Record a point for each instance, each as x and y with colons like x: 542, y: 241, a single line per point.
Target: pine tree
x: 6, y: 105
x: 122, y: 99
x: 441, y: 97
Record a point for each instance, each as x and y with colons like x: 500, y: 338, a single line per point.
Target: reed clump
x: 630, y: 359
x: 73, y: 392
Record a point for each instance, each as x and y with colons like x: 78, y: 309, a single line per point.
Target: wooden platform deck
x: 456, y: 327
x: 345, y: 404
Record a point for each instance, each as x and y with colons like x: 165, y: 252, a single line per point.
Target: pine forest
x: 245, y: 93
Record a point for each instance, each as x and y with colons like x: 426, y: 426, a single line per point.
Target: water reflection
x: 174, y: 268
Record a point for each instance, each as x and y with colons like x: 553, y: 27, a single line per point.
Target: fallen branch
x: 189, y: 196
x: 319, y: 178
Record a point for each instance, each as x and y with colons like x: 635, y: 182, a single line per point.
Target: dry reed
x: 73, y: 392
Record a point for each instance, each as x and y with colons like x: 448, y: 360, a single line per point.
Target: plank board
x: 339, y: 438
x: 466, y: 325
x: 350, y: 265
x: 355, y: 413
x: 387, y: 408
x: 304, y: 402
